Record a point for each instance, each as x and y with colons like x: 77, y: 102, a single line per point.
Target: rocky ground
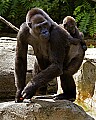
x: 42, y: 110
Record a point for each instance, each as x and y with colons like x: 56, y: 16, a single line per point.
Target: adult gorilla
x: 51, y: 45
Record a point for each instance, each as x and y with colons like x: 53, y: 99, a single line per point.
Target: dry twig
x: 9, y: 24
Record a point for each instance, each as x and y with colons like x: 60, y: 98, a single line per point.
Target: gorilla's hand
x: 29, y: 91
x: 18, y: 97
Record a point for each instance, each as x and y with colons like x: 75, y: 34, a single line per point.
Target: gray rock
x: 42, y: 110
x: 85, y: 80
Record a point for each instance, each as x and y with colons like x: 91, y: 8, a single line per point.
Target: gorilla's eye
x: 46, y: 25
x: 72, y: 27
x: 39, y: 28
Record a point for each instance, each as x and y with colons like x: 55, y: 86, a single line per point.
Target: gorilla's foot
x: 64, y: 97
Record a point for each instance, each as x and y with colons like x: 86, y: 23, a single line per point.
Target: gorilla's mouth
x: 45, y: 36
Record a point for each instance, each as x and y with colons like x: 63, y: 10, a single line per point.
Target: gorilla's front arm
x: 21, y: 59
x: 40, y: 80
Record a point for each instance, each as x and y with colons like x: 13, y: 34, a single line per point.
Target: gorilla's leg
x: 69, y: 88
x: 67, y: 81
x: 72, y: 67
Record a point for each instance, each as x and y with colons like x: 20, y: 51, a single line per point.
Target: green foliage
x: 15, y: 10
x: 84, y: 22
x: 91, y: 46
x: 86, y: 17
x: 84, y: 12
x: 92, y: 23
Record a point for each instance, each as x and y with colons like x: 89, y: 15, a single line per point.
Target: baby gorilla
x: 70, y: 25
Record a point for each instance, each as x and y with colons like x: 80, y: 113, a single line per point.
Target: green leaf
x: 84, y: 22
x: 92, y: 26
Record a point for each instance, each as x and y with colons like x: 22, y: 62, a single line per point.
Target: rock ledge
x: 42, y: 110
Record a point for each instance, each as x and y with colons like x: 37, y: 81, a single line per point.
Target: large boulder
x: 42, y: 110
x: 85, y: 80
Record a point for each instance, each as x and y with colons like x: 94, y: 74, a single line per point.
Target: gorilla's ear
x: 30, y: 24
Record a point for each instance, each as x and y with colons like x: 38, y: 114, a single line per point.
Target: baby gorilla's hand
x: 84, y: 47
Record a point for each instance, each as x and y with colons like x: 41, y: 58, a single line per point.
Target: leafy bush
x: 15, y: 10
x: 86, y: 17
x: 83, y: 10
